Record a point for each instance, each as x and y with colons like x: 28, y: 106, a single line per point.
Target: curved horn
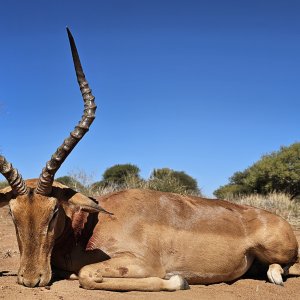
x: 13, y: 177
x: 44, y: 186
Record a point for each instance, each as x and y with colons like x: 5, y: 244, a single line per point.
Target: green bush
x: 166, y: 183
x: 118, y: 173
x: 71, y: 182
x: 98, y: 185
x: 3, y: 184
x: 278, y: 171
x: 120, y: 177
x: 175, y: 179
x: 277, y: 203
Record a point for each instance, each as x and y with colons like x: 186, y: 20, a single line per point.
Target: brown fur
x: 150, y: 237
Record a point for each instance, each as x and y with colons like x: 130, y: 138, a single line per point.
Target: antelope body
x: 144, y: 240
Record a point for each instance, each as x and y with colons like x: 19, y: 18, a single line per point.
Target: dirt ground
x: 67, y: 289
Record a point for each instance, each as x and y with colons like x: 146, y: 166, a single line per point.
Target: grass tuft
x: 278, y: 203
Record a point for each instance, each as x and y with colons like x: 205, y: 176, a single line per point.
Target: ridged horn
x: 13, y: 177
x: 44, y: 186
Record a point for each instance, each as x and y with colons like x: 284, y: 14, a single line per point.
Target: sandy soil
x: 67, y: 289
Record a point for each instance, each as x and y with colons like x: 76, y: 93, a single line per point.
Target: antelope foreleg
x: 149, y: 284
x: 123, y: 274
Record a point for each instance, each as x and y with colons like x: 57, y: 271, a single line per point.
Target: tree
x: 180, y: 178
x: 3, y: 184
x: 71, y: 182
x: 127, y: 176
x: 278, y: 171
x: 117, y: 174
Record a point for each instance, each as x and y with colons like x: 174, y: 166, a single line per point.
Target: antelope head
x: 36, y: 205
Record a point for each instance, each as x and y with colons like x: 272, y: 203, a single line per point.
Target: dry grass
x: 277, y: 203
x: 3, y: 184
x: 167, y: 184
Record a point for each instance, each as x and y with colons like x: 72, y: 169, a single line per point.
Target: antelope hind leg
x: 275, y: 271
x: 275, y: 274
x: 123, y: 274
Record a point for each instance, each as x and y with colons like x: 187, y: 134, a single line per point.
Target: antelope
x: 137, y: 239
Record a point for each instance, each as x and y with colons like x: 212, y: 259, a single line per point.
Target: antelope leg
x: 127, y: 274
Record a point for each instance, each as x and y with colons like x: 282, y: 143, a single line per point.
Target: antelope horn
x: 13, y: 177
x: 44, y: 186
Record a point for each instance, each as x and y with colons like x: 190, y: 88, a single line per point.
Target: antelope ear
x: 80, y: 201
x: 86, y: 204
x: 5, y: 195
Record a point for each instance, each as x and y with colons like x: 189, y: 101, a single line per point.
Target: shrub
x: 278, y: 203
x: 3, y: 184
x: 79, y: 181
x: 167, y: 183
x: 117, y: 173
x: 70, y: 182
x: 121, y: 177
x: 179, y: 180
x: 278, y: 171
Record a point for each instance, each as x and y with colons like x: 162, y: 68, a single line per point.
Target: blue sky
x: 206, y: 87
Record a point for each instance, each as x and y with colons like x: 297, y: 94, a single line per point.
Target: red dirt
x: 67, y: 289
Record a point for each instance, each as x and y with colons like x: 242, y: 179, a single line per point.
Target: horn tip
x: 69, y: 32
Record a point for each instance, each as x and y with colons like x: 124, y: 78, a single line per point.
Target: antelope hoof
x: 87, y: 279
x: 275, y: 274
x: 178, y: 282
x: 73, y: 277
